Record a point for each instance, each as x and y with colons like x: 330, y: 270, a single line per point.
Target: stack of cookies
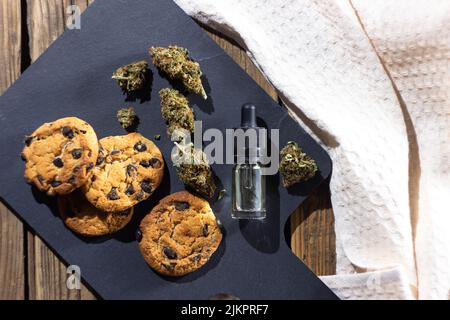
x: 98, y: 182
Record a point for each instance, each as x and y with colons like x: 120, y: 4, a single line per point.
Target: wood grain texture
x: 312, y: 225
x: 312, y: 228
x: 46, y: 273
x: 46, y: 20
x: 10, y: 39
x: 12, y: 263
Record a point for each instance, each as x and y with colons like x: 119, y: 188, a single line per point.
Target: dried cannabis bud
x: 175, y: 62
x: 295, y: 165
x: 193, y: 169
x: 131, y: 77
x: 176, y: 111
x: 126, y: 117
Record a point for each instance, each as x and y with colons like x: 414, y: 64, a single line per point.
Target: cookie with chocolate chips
x: 179, y: 235
x: 83, y: 218
x: 128, y: 170
x: 59, y: 155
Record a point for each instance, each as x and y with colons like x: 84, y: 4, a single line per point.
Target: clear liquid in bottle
x: 249, y: 190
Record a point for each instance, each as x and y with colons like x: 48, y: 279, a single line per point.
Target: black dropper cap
x: 248, y: 116
x: 248, y: 122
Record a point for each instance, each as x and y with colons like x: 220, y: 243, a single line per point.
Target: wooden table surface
x: 28, y: 268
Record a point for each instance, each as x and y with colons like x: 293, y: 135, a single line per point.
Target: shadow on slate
x: 206, y: 106
x: 73, y: 78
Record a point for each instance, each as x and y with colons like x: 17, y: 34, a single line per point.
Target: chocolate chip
x: 145, y: 163
x: 41, y: 179
x: 205, y: 230
x: 28, y: 140
x: 83, y: 131
x: 130, y: 190
x: 90, y: 166
x: 153, y: 162
x: 169, y: 253
x: 139, y: 235
x: 130, y: 169
x: 140, y: 147
x: 55, y: 183
x: 72, y: 179
x: 58, y: 162
x: 76, y: 169
x: 76, y: 153
x: 90, y: 153
x: 93, y: 178
x: 181, y: 205
x: 100, y: 160
x: 22, y: 156
x: 114, y: 152
x: 140, y: 196
x: 67, y: 132
x: 112, y: 195
x: 146, y: 186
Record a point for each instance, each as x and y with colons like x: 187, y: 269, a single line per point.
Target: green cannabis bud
x: 176, y: 63
x: 295, y: 165
x: 126, y: 117
x: 176, y: 111
x: 193, y: 169
x: 131, y: 77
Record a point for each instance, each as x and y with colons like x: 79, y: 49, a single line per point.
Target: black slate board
x: 73, y: 79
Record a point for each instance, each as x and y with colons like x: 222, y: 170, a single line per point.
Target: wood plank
x: 82, y: 4
x: 46, y: 273
x: 46, y: 21
x: 312, y: 224
x: 312, y: 228
x: 10, y: 39
x: 12, y: 264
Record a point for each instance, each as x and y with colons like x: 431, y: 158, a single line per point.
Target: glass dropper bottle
x: 248, y: 182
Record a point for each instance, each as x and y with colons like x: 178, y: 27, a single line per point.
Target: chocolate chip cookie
x: 60, y: 155
x: 128, y: 170
x: 179, y: 235
x: 82, y: 217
